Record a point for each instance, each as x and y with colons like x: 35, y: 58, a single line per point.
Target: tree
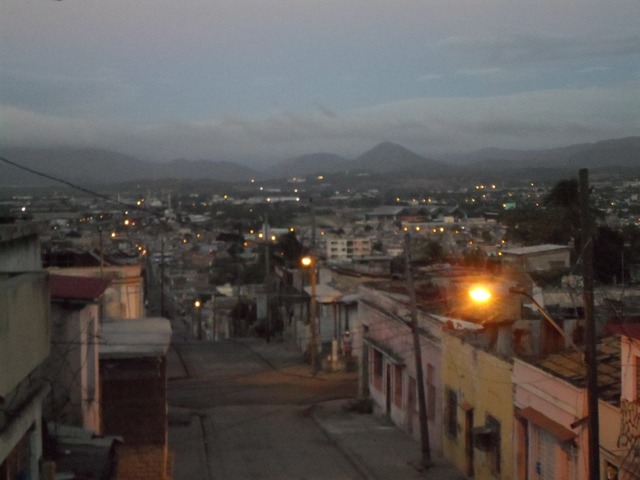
x: 557, y: 221
x: 608, y: 251
x: 432, y: 252
x: 290, y: 249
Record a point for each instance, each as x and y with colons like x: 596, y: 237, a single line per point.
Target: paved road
x: 234, y: 414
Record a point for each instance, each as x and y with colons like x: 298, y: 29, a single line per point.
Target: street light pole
x: 313, y: 322
x: 197, y: 304
x: 546, y: 316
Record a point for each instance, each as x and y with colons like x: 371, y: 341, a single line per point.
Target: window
x: 611, y: 471
x: 397, y: 385
x: 493, y: 451
x: 431, y: 393
x: 377, y: 369
x: 451, y: 414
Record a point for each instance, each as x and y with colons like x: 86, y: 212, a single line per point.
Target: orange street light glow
x: 480, y: 294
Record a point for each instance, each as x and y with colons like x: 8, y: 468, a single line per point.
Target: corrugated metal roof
x: 77, y: 288
x: 534, y: 249
x: 570, y: 366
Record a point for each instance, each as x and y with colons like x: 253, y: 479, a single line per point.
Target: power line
x: 75, y: 186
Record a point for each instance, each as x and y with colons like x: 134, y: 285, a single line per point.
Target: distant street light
x: 197, y: 304
x: 310, y: 262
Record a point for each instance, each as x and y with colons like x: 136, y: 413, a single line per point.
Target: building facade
x: 25, y: 335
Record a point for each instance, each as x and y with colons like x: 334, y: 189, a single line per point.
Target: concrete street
x: 236, y: 414
x: 246, y: 409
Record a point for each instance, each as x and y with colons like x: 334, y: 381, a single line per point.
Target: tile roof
x: 77, y: 288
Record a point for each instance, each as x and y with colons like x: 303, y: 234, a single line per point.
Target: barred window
x: 431, y: 393
x: 451, y: 414
x: 377, y: 369
x: 397, y: 383
x: 493, y: 457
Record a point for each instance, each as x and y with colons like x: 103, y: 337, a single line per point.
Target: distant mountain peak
x: 388, y: 156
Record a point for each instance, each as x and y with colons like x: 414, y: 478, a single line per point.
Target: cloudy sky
x: 260, y: 80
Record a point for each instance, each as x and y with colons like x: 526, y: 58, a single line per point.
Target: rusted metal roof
x: 77, y: 288
x: 570, y: 366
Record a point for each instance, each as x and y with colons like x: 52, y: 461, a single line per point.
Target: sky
x: 256, y: 81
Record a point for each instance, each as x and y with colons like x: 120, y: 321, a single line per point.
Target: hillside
x: 95, y: 166
x: 309, y: 164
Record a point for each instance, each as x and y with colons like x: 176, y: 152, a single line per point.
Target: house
x: 478, y: 407
x: 620, y: 427
x: 345, y: 249
x: 538, y: 257
x: 388, y: 374
x: 133, y: 382
x: 551, y: 432
x: 25, y: 336
x: 72, y: 368
x: 124, y: 298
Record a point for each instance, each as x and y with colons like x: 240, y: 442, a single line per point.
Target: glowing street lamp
x: 309, y: 262
x: 481, y: 295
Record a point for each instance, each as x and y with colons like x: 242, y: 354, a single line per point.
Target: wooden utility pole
x: 590, y: 330
x: 313, y: 347
x: 422, y: 406
x: 162, y: 275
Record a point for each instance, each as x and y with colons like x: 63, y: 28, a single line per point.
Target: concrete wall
x: 24, y: 344
x: 72, y: 367
x: 24, y: 327
x: 20, y: 248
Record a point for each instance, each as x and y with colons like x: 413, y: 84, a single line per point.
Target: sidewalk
x: 375, y: 447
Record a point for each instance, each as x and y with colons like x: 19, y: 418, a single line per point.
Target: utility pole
x: 267, y: 274
x: 422, y: 406
x: 313, y: 226
x: 162, y: 276
x: 590, y: 334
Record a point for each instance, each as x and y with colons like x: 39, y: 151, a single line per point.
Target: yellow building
x: 478, y: 409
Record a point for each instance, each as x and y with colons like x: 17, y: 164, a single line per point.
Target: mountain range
x: 97, y: 166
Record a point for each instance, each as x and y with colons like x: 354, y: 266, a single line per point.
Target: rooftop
x: 139, y: 338
x: 570, y: 366
x: 534, y: 249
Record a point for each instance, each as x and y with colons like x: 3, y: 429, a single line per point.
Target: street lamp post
x: 198, y: 305
x: 310, y: 263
